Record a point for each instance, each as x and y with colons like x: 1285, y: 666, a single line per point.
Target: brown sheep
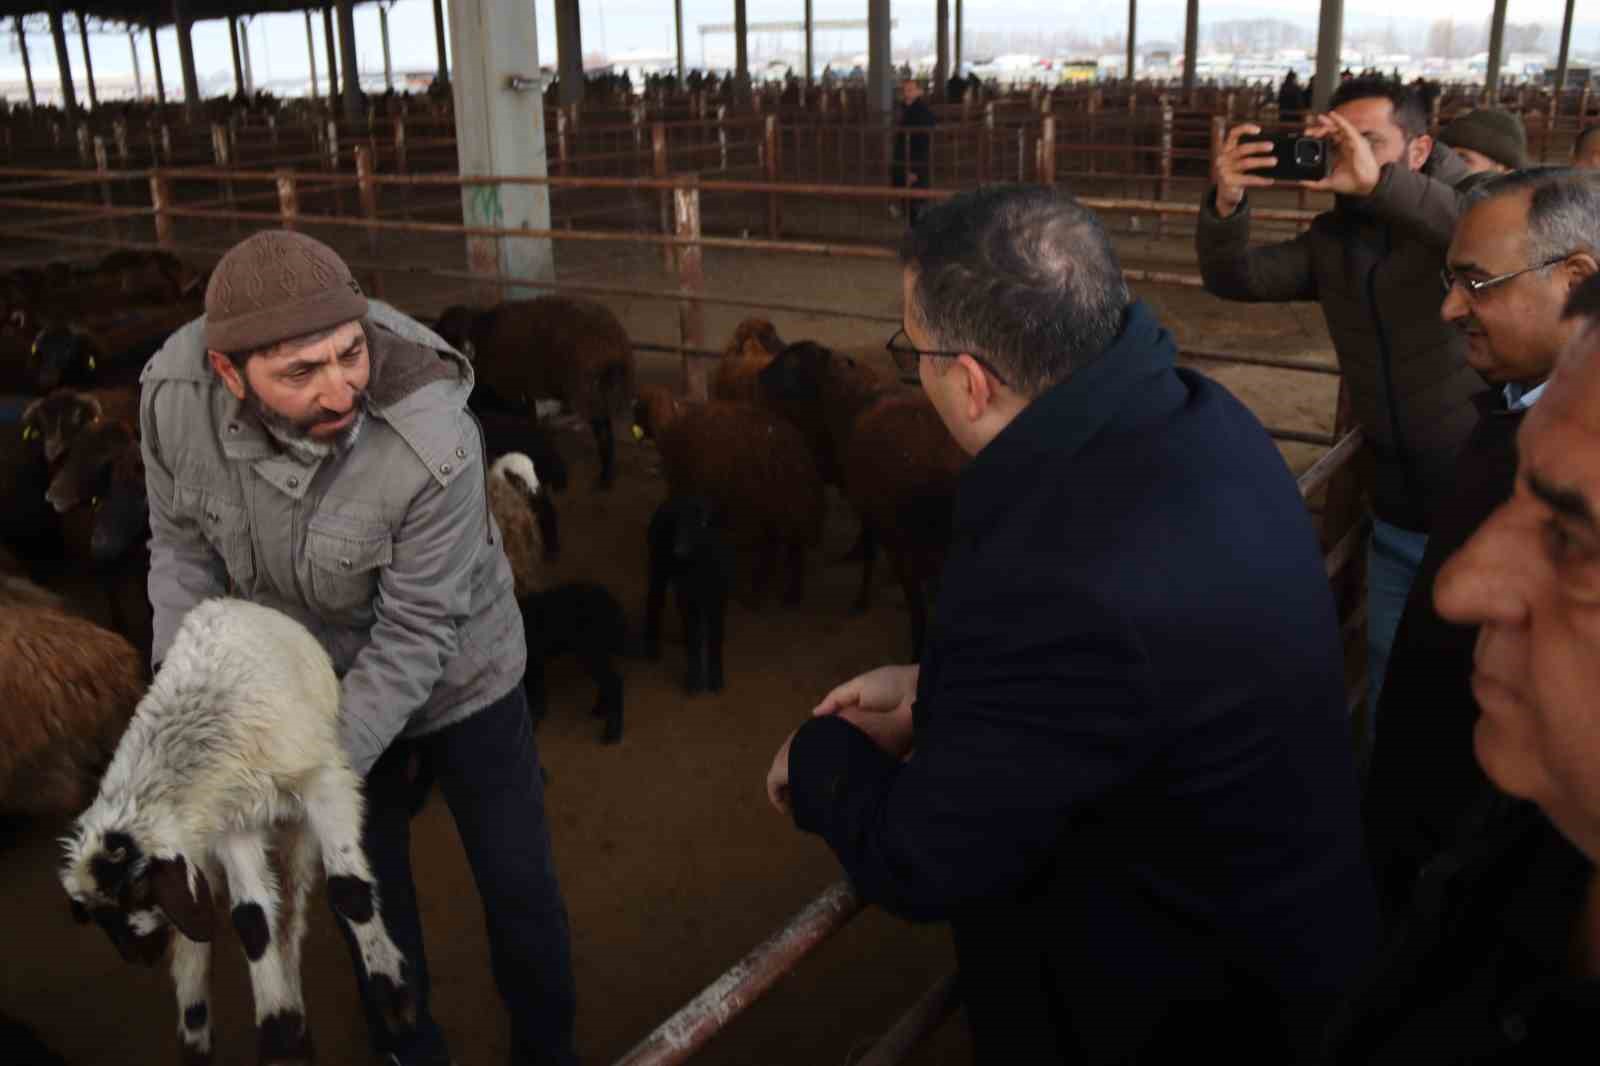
x: 58, y: 419
x: 754, y: 344
x: 573, y: 350
x: 513, y: 489
x: 894, y: 459
x: 68, y: 688
x: 752, y: 464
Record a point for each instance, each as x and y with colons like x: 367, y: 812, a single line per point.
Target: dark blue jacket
x: 1132, y: 792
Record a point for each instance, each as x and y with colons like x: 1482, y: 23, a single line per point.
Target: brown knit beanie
x: 1496, y: 134
x: 275, y: 286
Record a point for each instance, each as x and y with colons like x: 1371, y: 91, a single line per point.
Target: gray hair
x: 1563, y: 211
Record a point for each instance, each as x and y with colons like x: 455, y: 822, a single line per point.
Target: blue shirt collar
x: 1520, y: 397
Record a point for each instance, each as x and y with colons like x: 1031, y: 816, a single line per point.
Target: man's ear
x: 1418, y: 151
x: 1579, y: 268
x: 978, y: 389
x: 223, y: 367
x: 192, y: 913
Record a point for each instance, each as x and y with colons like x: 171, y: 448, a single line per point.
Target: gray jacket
x: 387, y: 552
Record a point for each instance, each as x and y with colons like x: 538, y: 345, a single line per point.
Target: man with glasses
x: 1119, y: 771
x: 1371, y: 263
x: 1525, y: 243
x: 1499, y: 960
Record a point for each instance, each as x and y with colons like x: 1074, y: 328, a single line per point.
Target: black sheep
x: 688, y: 549
x: 505, y: 433
x: 583, y: 619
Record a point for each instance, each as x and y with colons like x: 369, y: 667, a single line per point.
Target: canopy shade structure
x: 149, y: 12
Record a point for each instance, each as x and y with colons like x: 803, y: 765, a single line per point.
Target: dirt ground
x: 672, y: 863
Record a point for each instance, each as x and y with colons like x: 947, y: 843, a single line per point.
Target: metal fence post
x: 1047, y: 150
x: 658, y: 166
x: 288, y: 198
x: 722, y: 134
x: 160, y: 200
x: 691, y: 284
x: 774, y: 219
x: 369, y: 207
x: 1164, y: 186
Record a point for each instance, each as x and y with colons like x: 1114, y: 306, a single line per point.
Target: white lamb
x: 233, y: 752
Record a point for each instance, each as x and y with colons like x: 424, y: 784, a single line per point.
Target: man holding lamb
x: 312, y: 452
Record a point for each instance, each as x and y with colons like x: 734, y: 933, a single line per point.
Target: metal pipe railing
x: 680, y: 1036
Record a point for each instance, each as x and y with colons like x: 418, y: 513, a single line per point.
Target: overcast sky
x: 278, y: 42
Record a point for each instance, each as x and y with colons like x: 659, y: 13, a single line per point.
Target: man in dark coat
x: 1291, y: 98
x: 1372, y: 263
x: 1499, y: 959
x: 913, y: 148
x: 1121, y: 771
x: 1523, y: 246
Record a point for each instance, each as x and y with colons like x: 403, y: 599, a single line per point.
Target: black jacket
x: 1424, y: 776
x: 912, y: 149
x: 1480, y: 971
x: 1132, y: 792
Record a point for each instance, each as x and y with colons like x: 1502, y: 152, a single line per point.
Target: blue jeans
x: 488, y: 769
x: 1394, y: 556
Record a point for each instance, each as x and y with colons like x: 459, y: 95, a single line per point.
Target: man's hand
x: 1233, y: 171
x: 890, y: 730
x: 1355, y: 170
x: 883, y: 689
x: 778, y: 778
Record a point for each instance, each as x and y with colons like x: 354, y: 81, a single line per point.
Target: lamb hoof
x: 395, y: 1005
x: 715, y: 685
x: 613, y: 731
x: 692, y: 686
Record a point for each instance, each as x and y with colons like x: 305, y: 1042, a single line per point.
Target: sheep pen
x: 671, y: 813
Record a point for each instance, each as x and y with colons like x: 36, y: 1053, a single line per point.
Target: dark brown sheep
x: 58, y: 419
x: 891, y: 454
x: 752, y: 464
x: 754, y: 344
x: 68, y: 688
x: 575, y: 351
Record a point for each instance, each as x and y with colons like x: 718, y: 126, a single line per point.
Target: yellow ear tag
x: 94, y: 502
x: 27, y: 432
x: 91, y: 362
x: 638, y: 432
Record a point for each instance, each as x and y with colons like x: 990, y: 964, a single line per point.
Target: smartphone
x: 1299, y: 158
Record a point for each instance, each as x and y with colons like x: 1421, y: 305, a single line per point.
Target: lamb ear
x: 169, y: 883
x: 80, y: 913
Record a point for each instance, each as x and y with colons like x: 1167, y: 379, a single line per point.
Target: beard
x: 294, y: 435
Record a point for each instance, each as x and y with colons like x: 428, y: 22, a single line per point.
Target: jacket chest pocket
x: 344, y: 565
x: 225, y: 525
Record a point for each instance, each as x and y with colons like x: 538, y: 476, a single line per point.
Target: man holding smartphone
x: 1373, y: 263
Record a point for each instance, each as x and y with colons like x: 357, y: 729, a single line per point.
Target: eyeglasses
x: 906, y: 355
x: 1476, y: 287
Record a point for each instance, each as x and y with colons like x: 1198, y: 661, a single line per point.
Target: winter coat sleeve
x: 184, y: 568
x: 1017, y: 743
x: 424, y: 595
x: 1233, y: 270
x: 1423, y: 206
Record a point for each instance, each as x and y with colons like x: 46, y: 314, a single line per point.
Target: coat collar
x: 1063, y: 419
